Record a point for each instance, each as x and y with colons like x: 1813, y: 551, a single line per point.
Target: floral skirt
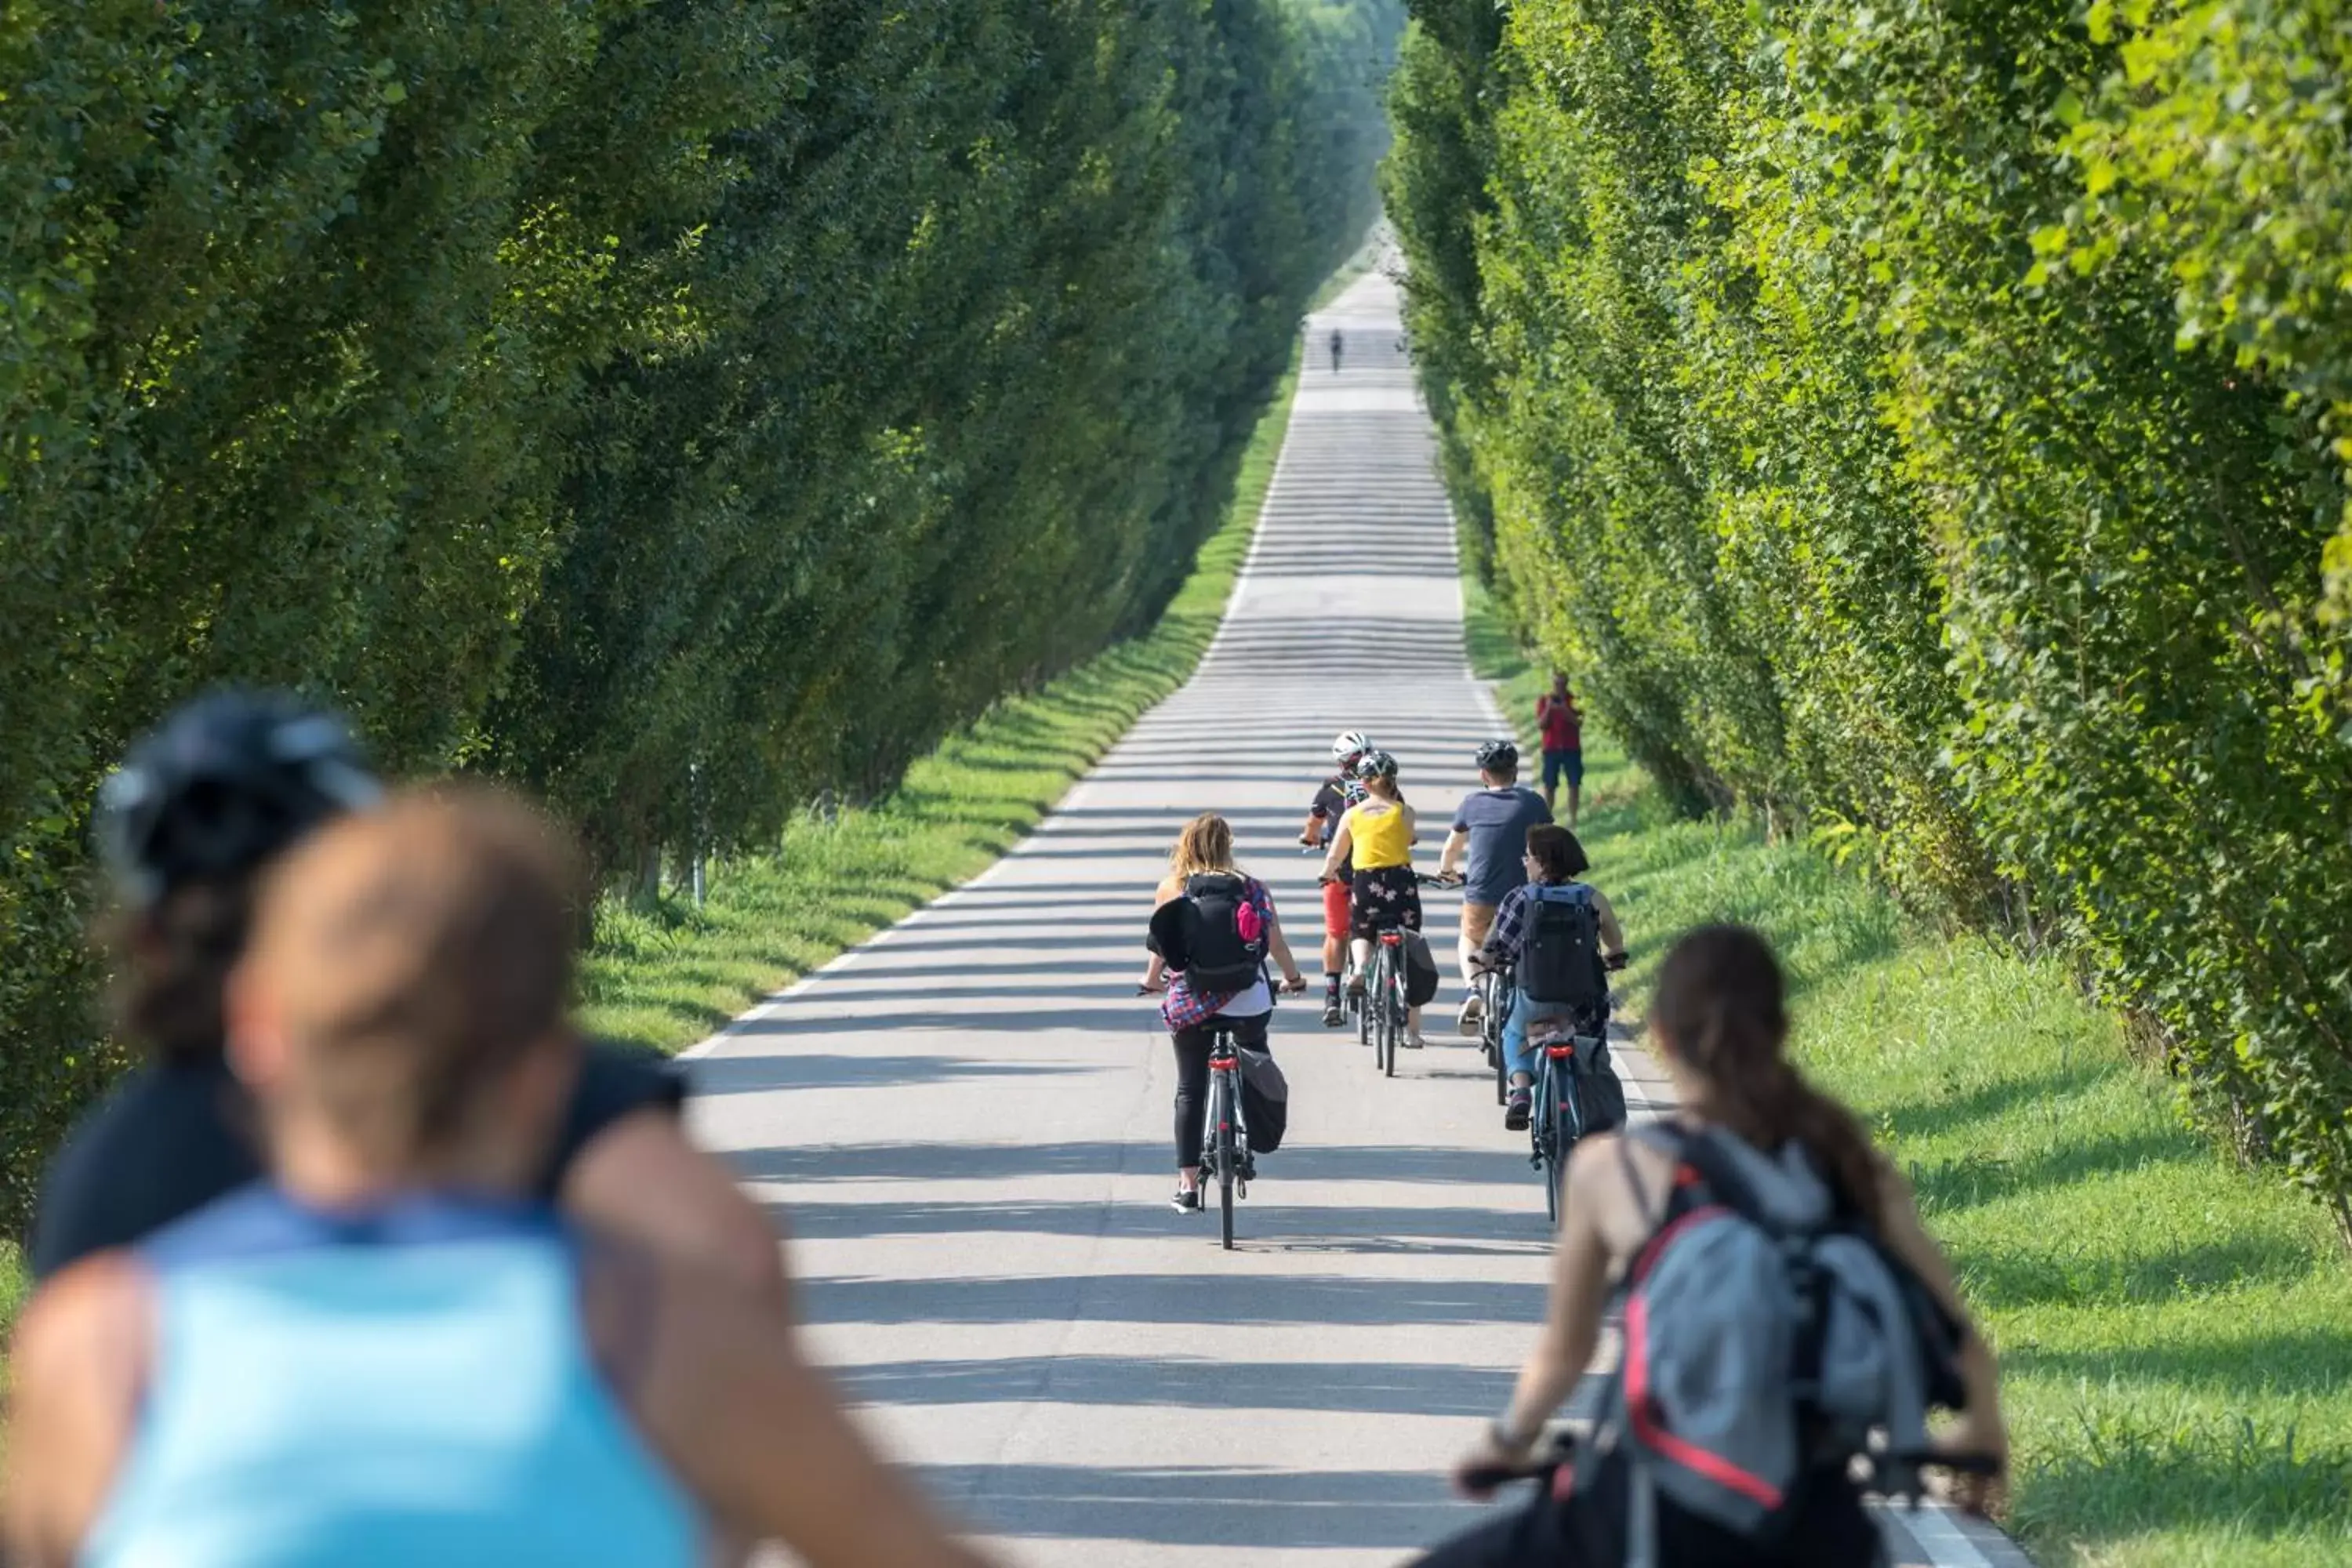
x: 1384, y: 898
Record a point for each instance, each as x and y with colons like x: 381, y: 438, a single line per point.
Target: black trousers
x: 1193, y: 1080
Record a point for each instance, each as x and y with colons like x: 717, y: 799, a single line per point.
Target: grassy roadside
x: 669, y: 977
x: 2176, y: 1335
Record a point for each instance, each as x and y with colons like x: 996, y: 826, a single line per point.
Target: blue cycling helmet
x: 223, y: 784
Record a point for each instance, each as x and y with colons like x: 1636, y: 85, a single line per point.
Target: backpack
x: 1561, y: 959
x: 1421, y: 976
x: 1599, y: 1093
x: 1225, y: 945
x: 1265, y: 1099
x: 1769, y: 1336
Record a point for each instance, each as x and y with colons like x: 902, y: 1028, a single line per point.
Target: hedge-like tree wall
x: 1927, y: 425
x: 683, y: 406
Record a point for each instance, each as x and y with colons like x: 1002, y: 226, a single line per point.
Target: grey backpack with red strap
x: 1769, y: 1337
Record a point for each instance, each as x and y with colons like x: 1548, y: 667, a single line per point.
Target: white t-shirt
x: 1253, y: 1003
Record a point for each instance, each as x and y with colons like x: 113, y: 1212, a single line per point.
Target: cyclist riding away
x: 1490, y: 828
x: 1338, y: 342
x: 1563, y: 726
x: 201, y: 809
x: 387, y: 1351
x: 1377, y: 834
x: 1235, y: 912
x: 1338, y: 793
x: 1554, y: 860
x: 1757, y: 1230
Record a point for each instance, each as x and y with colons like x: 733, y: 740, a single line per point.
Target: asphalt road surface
x: 967, y: 1122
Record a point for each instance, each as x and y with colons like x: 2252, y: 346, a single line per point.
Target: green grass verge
x: 14, y: 1284
x: 668, y: 976
x: 2175, y: 1335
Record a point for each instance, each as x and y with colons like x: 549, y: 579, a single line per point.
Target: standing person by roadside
x: 1490, y: 832
x: 387, y: 1352
x: 201, y: 808
x: 1237, y: 917
x: 1337, y: 793
x: 1561, y: 722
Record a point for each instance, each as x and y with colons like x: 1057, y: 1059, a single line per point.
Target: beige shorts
x: 1477, y: 919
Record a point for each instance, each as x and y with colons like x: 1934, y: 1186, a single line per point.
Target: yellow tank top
x: 1380, y: 835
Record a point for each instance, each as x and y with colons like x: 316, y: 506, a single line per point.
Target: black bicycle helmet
x: 223, y: 783
x: 1376, y: 765
x: 1498, y: 756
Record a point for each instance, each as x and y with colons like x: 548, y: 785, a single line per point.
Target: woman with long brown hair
x: 1719, y: 1021
x: 1200, y: 866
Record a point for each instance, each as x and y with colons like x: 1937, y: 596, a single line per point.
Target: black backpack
x: 1265, y: 1099
x: 1560, y: 960
x: 1225, y: 948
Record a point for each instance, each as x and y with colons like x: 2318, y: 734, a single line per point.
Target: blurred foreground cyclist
x: 1786, y: 1319
x: 201, y: 807
x: 388, y: 1353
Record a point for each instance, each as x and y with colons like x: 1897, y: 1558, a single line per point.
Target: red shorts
x: 1335, y: 909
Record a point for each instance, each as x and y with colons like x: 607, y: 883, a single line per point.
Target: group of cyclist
x: 377, y: 1262
x: 1503, y: 842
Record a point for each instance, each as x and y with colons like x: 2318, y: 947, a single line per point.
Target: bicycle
x: 1384, y: 999
x: 1497, y: 995
x: 1558, y: 1120
x: 1224, y: 1135
x: 1387, y: 1010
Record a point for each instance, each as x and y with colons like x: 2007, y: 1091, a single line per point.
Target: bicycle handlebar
x: 1543, y: 1464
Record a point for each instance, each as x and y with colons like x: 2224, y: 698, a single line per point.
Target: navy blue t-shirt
x: 1498, y: 821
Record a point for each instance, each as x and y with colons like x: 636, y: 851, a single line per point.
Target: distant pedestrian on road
x: 1339, y: 343
x: 1563, y: 726
x: 1221, y: 975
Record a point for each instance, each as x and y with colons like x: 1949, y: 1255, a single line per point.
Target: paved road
x: 968, y: 1119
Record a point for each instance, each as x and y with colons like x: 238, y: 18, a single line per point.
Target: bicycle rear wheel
x: 1547, y: 1126
x: 1490, y: 1028
x: 1221, y: 1113
x: 1384, y: 998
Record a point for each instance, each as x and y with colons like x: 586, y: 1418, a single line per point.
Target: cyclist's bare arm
x: 1980, y: 1429
x: 641, y: 1178
x: 757, y: 1432
x: 81, y: 1353
x: 1613, y: 935
x: 1578, y: 1298
x: 1318, y: 827
x: 1450, y: 857
x: 1342, y: 842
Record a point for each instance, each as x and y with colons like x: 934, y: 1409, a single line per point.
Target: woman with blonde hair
x: 1236, y: 931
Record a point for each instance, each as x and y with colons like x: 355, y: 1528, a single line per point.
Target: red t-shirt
x: 1563, y: 726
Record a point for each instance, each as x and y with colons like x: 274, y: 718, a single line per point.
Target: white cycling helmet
x: 1350, y: 743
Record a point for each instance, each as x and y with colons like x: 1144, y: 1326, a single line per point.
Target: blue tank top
x: 407, y: 1386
